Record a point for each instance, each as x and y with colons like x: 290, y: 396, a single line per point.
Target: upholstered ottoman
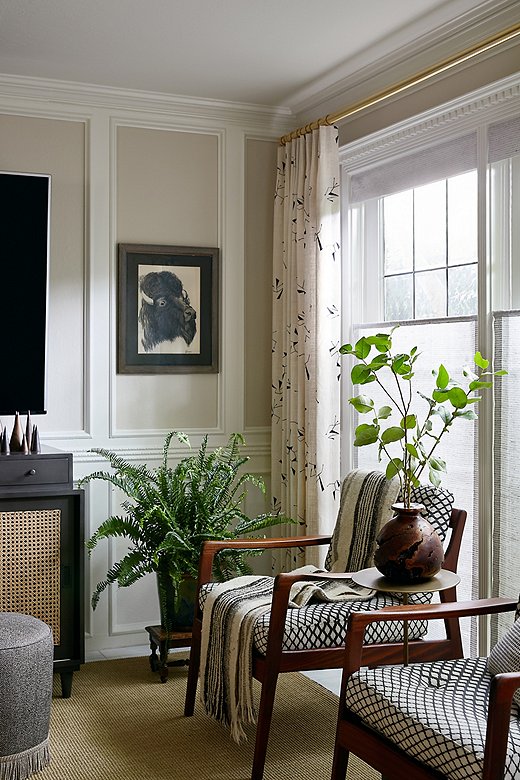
x: 26, y: 665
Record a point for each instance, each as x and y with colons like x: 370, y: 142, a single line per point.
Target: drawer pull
x: 31, y: 473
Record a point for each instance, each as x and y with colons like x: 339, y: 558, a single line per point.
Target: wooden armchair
x: 443, y: 719
x: 285, y: 651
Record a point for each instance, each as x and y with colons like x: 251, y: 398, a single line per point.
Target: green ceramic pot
x: 177, y: 605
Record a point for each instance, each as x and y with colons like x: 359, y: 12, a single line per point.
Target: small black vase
x: 409, y: 549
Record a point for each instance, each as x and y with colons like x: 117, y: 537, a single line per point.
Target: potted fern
x: 169, y: 512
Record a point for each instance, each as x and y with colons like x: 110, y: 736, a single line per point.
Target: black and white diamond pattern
x: 322, y: 624
x: 505, y: 655
x: 434, y: 711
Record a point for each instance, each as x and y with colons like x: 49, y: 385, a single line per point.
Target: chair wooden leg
x: 265, y: 712
x: 339, y: 763
x: 193, y: 671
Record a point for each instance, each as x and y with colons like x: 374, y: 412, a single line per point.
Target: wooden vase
x: 409, y: 549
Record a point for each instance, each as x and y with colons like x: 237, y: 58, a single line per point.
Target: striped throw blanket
x: 232, y: 608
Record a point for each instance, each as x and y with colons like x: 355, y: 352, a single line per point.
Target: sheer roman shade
x: 504, y: 139
x: 453, y: 343
x: 506, y: 531
x: 412, y: 170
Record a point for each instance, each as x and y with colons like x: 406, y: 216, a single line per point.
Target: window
x: 430, y: 250
x: 431, y: 229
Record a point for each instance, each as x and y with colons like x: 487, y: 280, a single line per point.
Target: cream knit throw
x: 228, y: 620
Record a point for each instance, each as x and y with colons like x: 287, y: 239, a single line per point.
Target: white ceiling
x: 268, y: 52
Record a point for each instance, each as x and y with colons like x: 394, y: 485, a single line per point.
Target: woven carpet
x: 121, y: 723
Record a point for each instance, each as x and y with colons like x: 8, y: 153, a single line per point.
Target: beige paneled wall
x: 34, y: 145
x: 144, y: 175
x: 167, y: 192
x: 167, y: 187
x: 259, y: 187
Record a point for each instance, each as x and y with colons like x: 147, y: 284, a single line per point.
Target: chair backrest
x: 365, y: 505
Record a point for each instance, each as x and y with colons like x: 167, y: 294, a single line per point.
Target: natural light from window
x: 430, y: 250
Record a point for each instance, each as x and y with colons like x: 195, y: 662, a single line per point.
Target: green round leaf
x: 469, y: 415
x: 394, y: 467
x: 410, y: 421
x: 362, y: 349
x: 480, y: 361
x: 392, y: 434
x: 381, y: 341
x: 359, y: 374
x: 434, y: 478
x: 436, y: 464
x: 412, y: 451
x: 362, y: 404
x: 440, y: 396
x: 442, y: 377
x: 384, y: 413
x: 366, y: 434
x: 457, y: 397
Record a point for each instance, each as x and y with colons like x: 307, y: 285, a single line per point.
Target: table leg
x: 154, y: 663
x: 405, y: 633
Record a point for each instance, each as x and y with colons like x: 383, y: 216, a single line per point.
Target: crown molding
x: 492, y: 103
x: 370, y: 72
x: 65, y: 93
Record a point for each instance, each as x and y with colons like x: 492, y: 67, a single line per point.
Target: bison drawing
x: 166, y: 312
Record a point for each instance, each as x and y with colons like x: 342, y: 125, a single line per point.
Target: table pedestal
x: 373, y: 579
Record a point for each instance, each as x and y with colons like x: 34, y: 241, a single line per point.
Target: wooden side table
x: 165, y: 641
x: 372, y: 578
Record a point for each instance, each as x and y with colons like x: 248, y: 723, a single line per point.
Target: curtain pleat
x: 306, y: 332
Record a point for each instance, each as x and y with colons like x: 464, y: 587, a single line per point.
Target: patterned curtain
x: 306, y: 333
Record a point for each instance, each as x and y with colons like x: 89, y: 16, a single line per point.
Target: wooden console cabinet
x: 42, y: 550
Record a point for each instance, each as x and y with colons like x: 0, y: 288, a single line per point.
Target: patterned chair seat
x: 322, y: 624
x: 434, y: 711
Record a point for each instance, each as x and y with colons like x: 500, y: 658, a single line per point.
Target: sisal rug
x: 121, y: 723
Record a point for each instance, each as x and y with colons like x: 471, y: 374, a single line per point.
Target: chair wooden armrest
x: 280, y: 603
x: 358, y: 621
x: 212, y: 547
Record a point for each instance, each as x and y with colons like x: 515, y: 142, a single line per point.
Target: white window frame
x: 497, y: 287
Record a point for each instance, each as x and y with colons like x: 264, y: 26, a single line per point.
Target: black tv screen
x: 24, y: 262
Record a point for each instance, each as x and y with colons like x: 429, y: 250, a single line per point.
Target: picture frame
x: 168, y: 309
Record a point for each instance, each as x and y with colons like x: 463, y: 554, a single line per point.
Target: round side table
x: 372, y: 578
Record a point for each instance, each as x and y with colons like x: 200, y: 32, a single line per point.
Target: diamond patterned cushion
x: 323, y: 624
x: 434, y: 711
x: 505, y: 655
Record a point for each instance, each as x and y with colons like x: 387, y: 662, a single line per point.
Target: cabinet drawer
x: 27, y: 471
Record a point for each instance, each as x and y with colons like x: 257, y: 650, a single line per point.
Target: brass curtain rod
x: 401, y: 86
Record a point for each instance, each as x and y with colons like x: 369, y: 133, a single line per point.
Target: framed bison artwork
x: 168, y: 309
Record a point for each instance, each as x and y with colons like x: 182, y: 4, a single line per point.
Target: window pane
x: 430, y: 294
x: 398, y: 232
x: 462, y: 287
x: 430, y: 225
x: 462, y: 218
x: 399, y: 297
